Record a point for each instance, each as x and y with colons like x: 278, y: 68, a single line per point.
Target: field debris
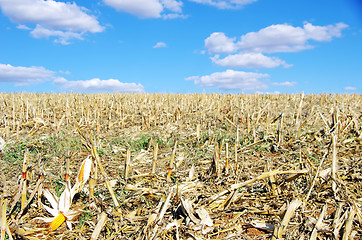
x: 173, y: 166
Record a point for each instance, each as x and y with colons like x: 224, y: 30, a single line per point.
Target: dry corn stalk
x: 164, y: 208
x: 24, y: 180
x: 3, y: 223
x: 349, y: 222
x: 37, y: 190
x: 281, y: 230
x: 67, y: 170
x: 172, y: 162
x: 227, y: 158
x: 3, y: 205
x: 155, y: 153
x: 91, y: 146
x: 97, y: 230
x: 319, y: 223
x: 260, y: 177
x: 338, y: 220
x: 127, y: 164
x: 214, y: 167
x: 334, y: 164
x: 124, y: 115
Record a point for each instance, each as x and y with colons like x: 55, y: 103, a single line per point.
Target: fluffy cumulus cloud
x: 249, y: 60
x: 148, y: 8
x: 21, y: 76
x: 61, y: 20
x: 218, y: 42
x: 249, y: 51
x: 98, y: 85
x: 225, y: 4
x: 160, y: 45
x: 231, y: 79
x: 286, y: 38
x: 274, y: 38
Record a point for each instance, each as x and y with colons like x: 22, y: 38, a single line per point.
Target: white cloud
x: 140, y: 8
x: 225, y: 4
x: 63, y: 37
x: 286, y: 38
x: 98, y: 85
x: 231, y: 79
x: 218, y: 42
x: 323, y: 33
x: 349, y: 88
x: 274, y: 38
x: 160, y: 45
x: 148, y: 8
x: 285, y: 84
x: 21, y: 76
x: 172, y: 5
x: 52, y: 15
x: 249, y: 60
x: 23, y: 27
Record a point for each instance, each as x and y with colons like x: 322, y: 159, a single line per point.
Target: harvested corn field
x: 169, y: 166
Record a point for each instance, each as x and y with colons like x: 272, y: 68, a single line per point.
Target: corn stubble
x: 172, y: 166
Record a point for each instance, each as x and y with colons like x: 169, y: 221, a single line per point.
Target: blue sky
x: 181, y: 46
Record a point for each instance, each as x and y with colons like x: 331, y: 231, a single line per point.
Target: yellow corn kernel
x: 57, y: 222
x: 81, y: 172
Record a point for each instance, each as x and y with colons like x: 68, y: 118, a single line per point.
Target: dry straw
x: 181, y: 166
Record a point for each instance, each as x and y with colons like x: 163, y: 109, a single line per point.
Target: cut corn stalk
x: 127, y: 166
x: 171, y: 164
x: 4, y: 205
x: 155, y: 153
x: 348, y: 226
x: 24, y: 180
x: 281, y: 230
x: 3, y: 223
x: 152, y: 217
x: 99, y: 163
x: 227, y: 158
x: 67, y: 171
x: 319, y: 223
x: 334, y: 164
x: 37, y: 190
x: 91, y: 187
x: 236, y: 156
x: 97, y: 230
x: 23, y: 194
x: 40, y: 189
x: 164, y: 208
x: 338, y: 220
x: 214, y: 168
x: 298, y: 114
